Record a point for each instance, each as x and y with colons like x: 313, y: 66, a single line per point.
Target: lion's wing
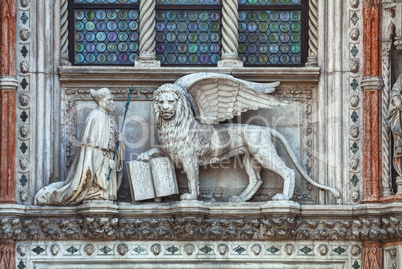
x: 219, y: 99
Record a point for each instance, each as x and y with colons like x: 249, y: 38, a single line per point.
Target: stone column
x: 64, y: 59
x: 147, y: 56
x: 8, y: 87
x: 7, y: 252
x: 230, y: 35
x: 312, y: 59
x: 386, y: 132
x: 372, y: 86
x: 372, y: 256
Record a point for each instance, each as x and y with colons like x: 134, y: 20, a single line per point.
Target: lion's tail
x: 293, y: 157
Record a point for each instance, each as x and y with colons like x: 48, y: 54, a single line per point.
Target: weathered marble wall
x: 334, y: 127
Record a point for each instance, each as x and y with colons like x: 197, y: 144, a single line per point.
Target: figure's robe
x: 394, y: 120
x: 87, y: 178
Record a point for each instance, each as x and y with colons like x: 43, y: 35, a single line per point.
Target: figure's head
x: 104, y: 98
x: 170, y: 101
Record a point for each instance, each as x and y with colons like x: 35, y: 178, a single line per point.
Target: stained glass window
x: 105, y: 35
x: 188, y: 32
x: 190, y: 36
x: 271, y: 32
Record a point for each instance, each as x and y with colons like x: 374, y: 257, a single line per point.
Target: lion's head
x: 170, y: 104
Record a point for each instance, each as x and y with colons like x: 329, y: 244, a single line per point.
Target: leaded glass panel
x: 188, y: 2
x: 106, y: 1
x: 270, y: 37
x: 188, y: 37
x: 105, y: 34
x: 269, y: 2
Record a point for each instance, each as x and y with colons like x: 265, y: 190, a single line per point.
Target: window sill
x: 93, y: 76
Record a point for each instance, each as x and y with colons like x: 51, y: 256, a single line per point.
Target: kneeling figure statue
x: 88, y: 178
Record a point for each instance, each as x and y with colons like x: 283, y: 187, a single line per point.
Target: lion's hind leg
x: 270, y: 160
x: 254, y: 180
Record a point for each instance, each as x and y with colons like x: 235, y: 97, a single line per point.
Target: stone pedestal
x: 98, y: 207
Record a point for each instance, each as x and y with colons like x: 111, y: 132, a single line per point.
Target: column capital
x: 8, y: 83
x: 375, y: 83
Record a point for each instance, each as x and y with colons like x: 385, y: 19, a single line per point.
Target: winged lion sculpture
x: 187, y: 116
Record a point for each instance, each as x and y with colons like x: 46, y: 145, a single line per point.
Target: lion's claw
x: 236, y: 199
x: 280, y: 197
x: 188, y: 196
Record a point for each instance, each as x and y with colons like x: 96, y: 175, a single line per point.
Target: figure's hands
x: 112, y: 164
x: 121, y: 138
x: 397, y: 101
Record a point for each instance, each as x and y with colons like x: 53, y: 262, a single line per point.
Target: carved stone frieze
x: 187, y: 228
x: 257, y: 254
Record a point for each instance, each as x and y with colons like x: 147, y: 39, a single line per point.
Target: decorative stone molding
x: 373, y: 83
x: 391, y: 257
x: 24, y: 99
x: 203, y: 222
x: 355, y: 107
x: 147, y: 56
x: 227, y: 254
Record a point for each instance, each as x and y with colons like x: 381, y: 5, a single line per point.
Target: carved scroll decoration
x: 386, y: 132
x: 64, y: 33
x: 313, y: 33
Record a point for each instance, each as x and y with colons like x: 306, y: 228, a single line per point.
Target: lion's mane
x: 177, y: 134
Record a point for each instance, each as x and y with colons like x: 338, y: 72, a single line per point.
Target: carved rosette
x: 147, y: 30
x: 313, y: 33
x: 230, y: 30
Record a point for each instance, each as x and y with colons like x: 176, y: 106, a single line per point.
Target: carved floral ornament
x: 180, y: 229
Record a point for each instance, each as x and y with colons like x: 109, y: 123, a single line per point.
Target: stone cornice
x: 208, y: 210
x: 74, y: 76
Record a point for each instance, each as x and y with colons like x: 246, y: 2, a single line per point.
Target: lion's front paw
x: 280, y: 196
x: 188, y: 196
x: 236, y: 199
